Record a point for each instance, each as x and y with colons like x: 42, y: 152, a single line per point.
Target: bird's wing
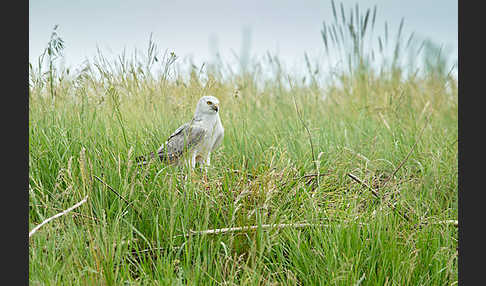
x: 177, y: 131
x: 184, y: 138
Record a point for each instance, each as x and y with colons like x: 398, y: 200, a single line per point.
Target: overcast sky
x: 286, y: 28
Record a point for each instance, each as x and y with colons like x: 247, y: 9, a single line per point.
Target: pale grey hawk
x: 195, y: 140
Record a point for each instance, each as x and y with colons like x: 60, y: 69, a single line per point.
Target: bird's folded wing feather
x: 184, y: 138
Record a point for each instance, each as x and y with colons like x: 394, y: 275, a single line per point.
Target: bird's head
x: 207, y: 105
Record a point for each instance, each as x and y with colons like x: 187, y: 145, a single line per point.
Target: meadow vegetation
x: 290, y: 144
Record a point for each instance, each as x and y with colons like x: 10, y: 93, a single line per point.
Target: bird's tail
x: 143, y: 160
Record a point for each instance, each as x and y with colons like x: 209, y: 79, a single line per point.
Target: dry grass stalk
x: 375, y: 193
x: 116, y: 193
x: 57, y: 215
x: 253, y: 227
x: 111, y: 189
x: 451, y: 221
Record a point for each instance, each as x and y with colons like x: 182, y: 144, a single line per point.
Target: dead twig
x: 57, y: 215
x: 111, y: 189
x: 312, y: 179
x: 375, y: 193
x: 451, y: 221
x: 116, y: 193
x: 443, y: 222
x: 253, y: 227
x: 79, y: 214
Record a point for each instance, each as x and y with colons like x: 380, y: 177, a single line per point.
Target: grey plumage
x: 184, y: 138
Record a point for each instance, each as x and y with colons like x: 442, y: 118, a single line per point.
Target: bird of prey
x: 193, y: 141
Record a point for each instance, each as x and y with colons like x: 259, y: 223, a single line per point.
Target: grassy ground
x: 397, y: 135
x: 257, y: 177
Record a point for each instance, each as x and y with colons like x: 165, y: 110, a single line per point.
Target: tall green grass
x: 95, y: 120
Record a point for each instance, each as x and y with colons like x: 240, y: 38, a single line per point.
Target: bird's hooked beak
x: 215, y: 107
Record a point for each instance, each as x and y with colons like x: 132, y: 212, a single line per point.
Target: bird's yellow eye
x: 210, y: 103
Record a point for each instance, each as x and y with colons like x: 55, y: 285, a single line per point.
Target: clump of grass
x: 365, y: 123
